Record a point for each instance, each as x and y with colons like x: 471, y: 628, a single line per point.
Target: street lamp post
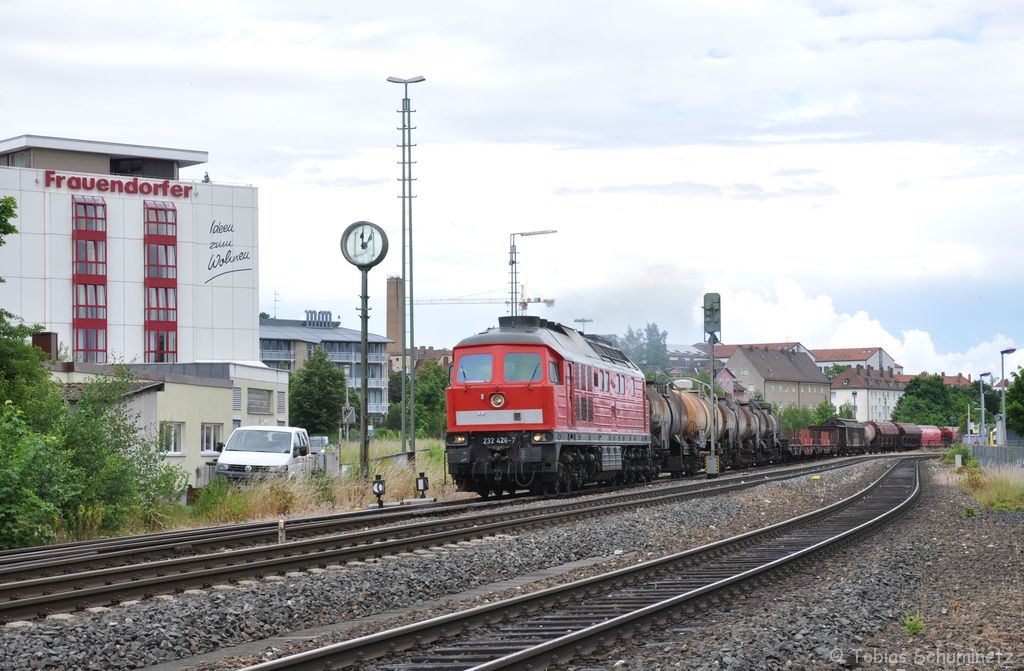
x: 408, y: 398
x: 983, y: 433
x: 1002, y: 372
x: 855, y: 417
x: 513, y: 270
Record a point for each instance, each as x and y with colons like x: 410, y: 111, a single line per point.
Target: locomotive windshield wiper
x: 529, y: 381
x: 465, y: 378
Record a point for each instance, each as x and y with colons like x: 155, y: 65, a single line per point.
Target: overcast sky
x: 844, y: 174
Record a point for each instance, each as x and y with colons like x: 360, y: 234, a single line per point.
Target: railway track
x: 33, y: 588
x: 555, y: 625
x: 88, y: 555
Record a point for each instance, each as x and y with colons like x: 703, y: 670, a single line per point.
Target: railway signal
x: 712, y: 326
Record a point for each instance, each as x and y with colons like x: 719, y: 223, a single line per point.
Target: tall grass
x: 273, y: 498
x: 996, y: 489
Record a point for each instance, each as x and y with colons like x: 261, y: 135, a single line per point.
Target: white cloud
x: 787, y: 313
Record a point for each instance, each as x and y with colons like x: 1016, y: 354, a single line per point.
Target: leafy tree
x: 264, y: 315
x: 317, y: 394
x: 119, y: 473
x: 834, y: 370
x: 795, y: 417
x: 926, y: 400
x: 431, y: 383
x: 823, y: 412
x: 35, y: 480
x: 8, y: 211
x: 655, y: 349
x: 1015, y: 403
x: 645, y: 347
x: 846, y: 411
x: 631, y: 344
x: 705, y: 376
x: 395, y: 387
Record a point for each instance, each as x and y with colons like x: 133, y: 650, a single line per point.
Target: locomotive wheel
x: 484, y: 492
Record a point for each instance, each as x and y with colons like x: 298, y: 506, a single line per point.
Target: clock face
x: 364, y: 244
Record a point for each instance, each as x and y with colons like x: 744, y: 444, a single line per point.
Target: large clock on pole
x: 364, y: 244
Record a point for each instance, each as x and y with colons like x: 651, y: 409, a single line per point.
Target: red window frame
x: 89, y: 278
x: 161, y: 345
x: 161, y: 260
x: 162, y: 304
x: 90, y: 213
x: 161, y: 218
x: 90, y: 301
x: 90, y: 344
x: 160, y: 229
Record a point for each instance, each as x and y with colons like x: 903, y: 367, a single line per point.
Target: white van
x: 254, y: 451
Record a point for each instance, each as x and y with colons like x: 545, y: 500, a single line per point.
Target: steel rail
x: 752, y: 555
x: 32, y: 596
x: 108, y: 554
x: 80, y: 555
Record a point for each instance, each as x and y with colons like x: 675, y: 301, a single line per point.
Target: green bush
x: 35, y: 480
x: 122, y: 475
x: 966, y: 457
x: 211, y: 497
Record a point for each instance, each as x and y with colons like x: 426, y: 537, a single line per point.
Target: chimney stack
x: 46, y: 341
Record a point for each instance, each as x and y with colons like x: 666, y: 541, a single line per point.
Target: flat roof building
x: 287, y: 343
x: 125, y: 261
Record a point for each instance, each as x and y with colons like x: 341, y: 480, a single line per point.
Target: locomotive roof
x: 567, y: 341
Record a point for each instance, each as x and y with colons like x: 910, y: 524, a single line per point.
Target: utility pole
x: 583, y: 323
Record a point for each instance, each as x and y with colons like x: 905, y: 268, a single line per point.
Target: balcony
x: 372, y: 383
x: 377, y: 408
x: 355, y: 357
x: 276, y: 355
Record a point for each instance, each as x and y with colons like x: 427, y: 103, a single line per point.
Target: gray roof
x: 772, y: 364
x: 293, y: 329
x: 568, y: 342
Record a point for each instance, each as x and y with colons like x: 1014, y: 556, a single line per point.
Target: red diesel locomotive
x: 536, y: 405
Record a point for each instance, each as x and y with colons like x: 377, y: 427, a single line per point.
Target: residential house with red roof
x: 872, y: 393
x: 876, y: 357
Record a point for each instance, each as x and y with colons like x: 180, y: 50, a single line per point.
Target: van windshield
x: 259, y: 441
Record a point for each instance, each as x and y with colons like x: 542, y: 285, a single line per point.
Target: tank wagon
x: 537, y: 405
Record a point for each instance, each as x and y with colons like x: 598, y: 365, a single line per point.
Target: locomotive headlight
x: 498, y: 400
x: 457, y: 439
x: 540, y: 437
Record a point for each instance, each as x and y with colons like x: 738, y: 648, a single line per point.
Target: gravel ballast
x: 962, y: 576
x: 157, y: 630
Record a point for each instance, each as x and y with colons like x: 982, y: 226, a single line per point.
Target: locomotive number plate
x: 497, y: 440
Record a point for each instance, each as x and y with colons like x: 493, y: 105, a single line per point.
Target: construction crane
x: 522, y: 302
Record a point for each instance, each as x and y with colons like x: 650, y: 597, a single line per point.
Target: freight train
x: 536, y: 405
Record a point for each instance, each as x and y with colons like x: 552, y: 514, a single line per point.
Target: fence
x: 326, y: 461
x: 998, y: 456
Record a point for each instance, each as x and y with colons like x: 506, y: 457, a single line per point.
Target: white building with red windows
x: 122, y: 259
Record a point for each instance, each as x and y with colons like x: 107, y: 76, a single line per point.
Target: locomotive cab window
x: 553, y: 373
x: 523, y: 367
x: 474, y: 368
